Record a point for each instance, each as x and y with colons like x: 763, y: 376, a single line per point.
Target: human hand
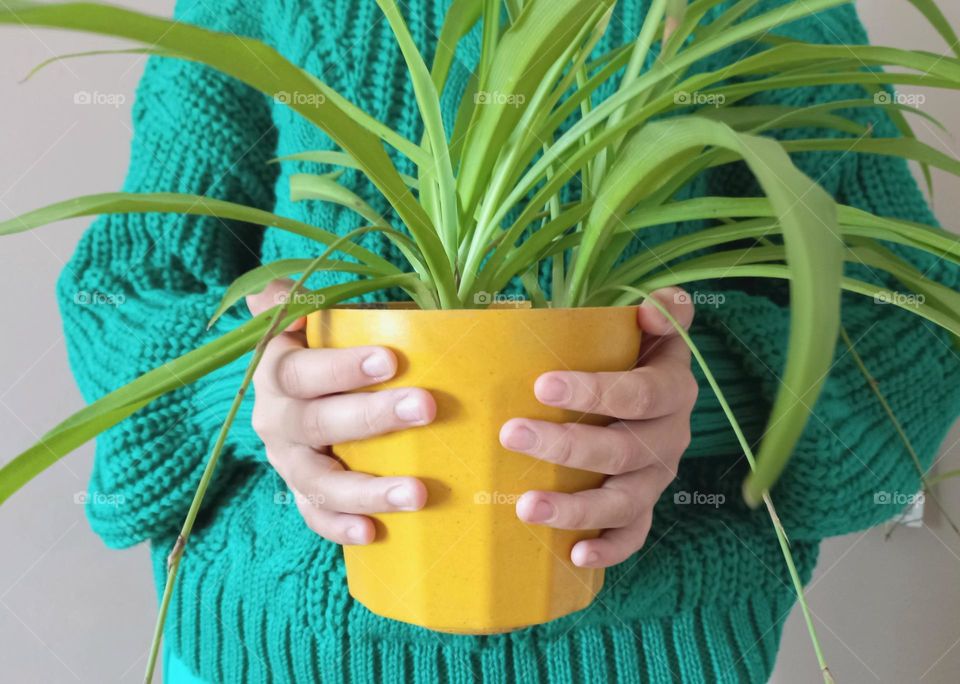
x: 640, y: 451
x: 301, y: 408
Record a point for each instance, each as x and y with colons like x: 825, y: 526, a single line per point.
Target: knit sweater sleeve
x: 139, y: 289
x: 851, y: 469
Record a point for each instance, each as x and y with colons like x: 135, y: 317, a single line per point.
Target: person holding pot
x: 695, y: 589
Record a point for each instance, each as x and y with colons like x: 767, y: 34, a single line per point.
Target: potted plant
x: 491, y: 206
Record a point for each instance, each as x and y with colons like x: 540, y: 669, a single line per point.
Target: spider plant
x: 491, y: 201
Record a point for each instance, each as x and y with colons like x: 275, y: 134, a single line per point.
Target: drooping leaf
x: 266, y: 70
x: 122, y: 403
x: 176, y: 203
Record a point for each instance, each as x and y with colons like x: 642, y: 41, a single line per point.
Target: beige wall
x: 70, y: 611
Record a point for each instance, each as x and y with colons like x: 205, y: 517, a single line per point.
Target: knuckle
x: 289, y: 375
x: 311, y: 520
x: 634, y: 507
x: 624, y: 460
x: 367, y: 497
x: 314, y: 424
x: 260, y: 421
x: 642, y: 395
x: 292, y: 473
x: 564, y: 447
x: 338, y: 374
x: 577, y: 514
x: 373, y: 415
x: 595, y: 400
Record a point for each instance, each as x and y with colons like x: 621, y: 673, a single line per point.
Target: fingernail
x: 592, y: 558
x: 521, y: 439
x: 376, y: 366
x: 543, y: 511
x: 355, y: 534
x: 401, y: 497
x: 554, y: 390
x: 410, y: 410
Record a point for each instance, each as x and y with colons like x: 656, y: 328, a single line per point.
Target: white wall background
x: 72, y: 611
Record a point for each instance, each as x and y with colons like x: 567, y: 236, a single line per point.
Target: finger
x: 310, y: 373
x: 593, y: 509
x: 276, y: 292
x: 656, y: 350
x: 340, y: 528
x: 675, y: 300
x: 647, y: 392
x: 324, y: 484
x: 612, y: 450
x: 349, y: 417
x: 613, y: 546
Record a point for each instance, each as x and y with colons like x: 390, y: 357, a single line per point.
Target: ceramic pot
x: 466, y: 563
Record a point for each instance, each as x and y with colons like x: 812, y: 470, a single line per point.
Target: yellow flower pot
x: 466, y: 563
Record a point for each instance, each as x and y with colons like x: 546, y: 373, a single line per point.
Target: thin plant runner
x: 491, y: 204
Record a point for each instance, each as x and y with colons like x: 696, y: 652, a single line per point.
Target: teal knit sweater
x: 260, y: 597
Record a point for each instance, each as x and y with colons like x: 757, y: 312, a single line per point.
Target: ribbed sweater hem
x: 734, y: 644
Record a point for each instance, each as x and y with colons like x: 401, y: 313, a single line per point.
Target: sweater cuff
x: 148, y: 467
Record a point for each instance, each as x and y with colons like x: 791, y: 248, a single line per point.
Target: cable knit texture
x: 260, y: 597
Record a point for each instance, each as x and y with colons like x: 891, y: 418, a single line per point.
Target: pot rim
x: 497, y: 307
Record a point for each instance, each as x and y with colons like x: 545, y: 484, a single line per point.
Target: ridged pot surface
x: 466, y: 563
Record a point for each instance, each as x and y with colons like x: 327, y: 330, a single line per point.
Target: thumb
x: 274, y: 294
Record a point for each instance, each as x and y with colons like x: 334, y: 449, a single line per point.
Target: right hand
x: 302, y: 408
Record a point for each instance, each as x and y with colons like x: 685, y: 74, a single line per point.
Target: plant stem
x: 748, y: 452
x: 173, y: 560
x: 176, y: 554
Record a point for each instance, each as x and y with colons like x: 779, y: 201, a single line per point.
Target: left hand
x: 640, y: 451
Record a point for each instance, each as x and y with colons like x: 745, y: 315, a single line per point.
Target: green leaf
x: 266, y: 70
x: 461, y: 16
x: 333, y: 158
x: 905, y: 148
x: 935, y: 16
x: 760, y: 118
x: 255, y: 280
x: 428, y: 100
x: 194, y: 205
x: 811, y: 234
x: 92, y: 53
x: 307, y: 186
x: 901, y: 300
x: 525, y: 53
x: 123, y: 402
